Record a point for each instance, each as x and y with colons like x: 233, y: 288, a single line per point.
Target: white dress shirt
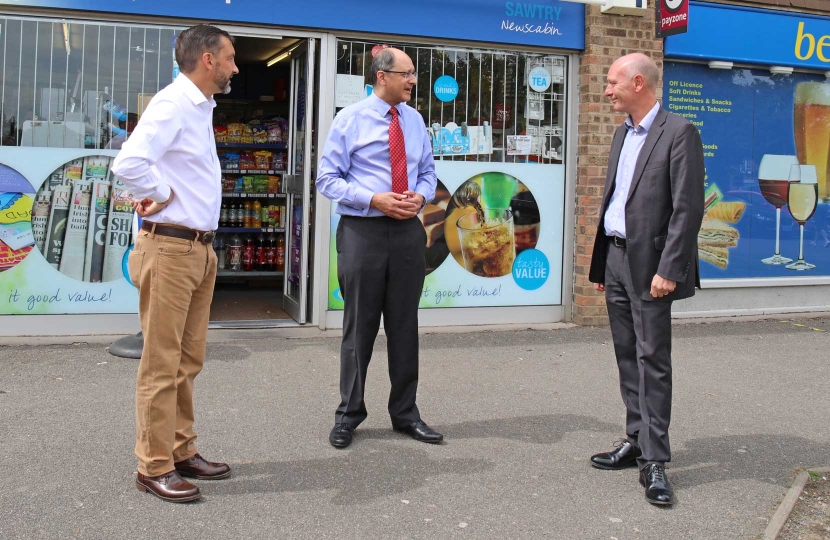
x: 635, y: 137
x: 172, y: 147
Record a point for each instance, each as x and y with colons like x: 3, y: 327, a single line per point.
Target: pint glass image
x: 812, y: 130
x: 488, y: 248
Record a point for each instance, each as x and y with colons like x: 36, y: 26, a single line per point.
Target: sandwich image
x: 730, y: 212
x: 719, y: 256
x: 715, y: 232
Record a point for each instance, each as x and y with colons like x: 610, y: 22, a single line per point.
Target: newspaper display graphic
x: 82, y: 220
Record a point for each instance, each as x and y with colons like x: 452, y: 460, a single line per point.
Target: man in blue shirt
x: 377, y: 166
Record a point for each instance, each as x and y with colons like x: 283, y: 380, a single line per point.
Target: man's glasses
x: 405, y: 74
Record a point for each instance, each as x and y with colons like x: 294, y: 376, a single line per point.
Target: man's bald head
x: 639, y: 64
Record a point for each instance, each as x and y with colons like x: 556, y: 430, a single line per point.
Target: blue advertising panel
x: 546, y: 23
x: 755, y: 36
x: 766, y: 143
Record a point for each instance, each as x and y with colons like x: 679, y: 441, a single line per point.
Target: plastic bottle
x: 271, y: 253
x: 223, y: 215
x: 247, y: 215
x: 231, y: 221
x: 248, y: 254
x: 281, y: 253
x: 256, y: 214
x: 219, y: 247
x: 235, y: 253
x: 260, y: 253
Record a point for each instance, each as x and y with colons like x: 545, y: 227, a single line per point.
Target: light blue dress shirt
x: 355, y: 163
x: 635, y: 137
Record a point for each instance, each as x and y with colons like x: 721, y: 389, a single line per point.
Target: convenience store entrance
x: 263, y: 132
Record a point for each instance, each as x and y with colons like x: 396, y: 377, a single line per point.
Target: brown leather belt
x: 205, y: 237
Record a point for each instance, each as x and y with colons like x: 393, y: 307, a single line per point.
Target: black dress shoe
x: 658, y: 489
x: 421, y: 432
x: 201, y: 469
x: 341, y: 435
x: 624, y: 455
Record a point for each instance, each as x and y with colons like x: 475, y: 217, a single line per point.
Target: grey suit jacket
x: 663, y: 211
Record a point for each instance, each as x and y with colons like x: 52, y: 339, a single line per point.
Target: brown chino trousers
x: 175, y: 280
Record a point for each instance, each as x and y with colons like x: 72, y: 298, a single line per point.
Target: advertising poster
x: 494, y: 237
x: 57, y: 235
x: 766, y: 143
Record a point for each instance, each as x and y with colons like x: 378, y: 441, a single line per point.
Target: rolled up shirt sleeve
x: 334, y: 167
x: 158, y: 128
x: 427, y: 180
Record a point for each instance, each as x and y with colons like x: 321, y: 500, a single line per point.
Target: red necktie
x: 397, y: 154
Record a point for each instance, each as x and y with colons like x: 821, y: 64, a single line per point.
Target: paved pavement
x: 521, y: 411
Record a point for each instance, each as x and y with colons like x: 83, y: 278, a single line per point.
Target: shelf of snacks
x: 253, y: 171
x: 254, y: 195
x: 275, y: 146
x: 250, y: 230
x: 248, y: 274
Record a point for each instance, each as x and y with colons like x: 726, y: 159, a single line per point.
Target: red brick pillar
x: 607, y: 37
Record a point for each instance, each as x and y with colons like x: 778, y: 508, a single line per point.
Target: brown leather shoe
x: 168, y: 487
x: 201, y: 469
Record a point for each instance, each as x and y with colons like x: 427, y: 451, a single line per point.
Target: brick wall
x: 607, y: 37
x: 821, y: 6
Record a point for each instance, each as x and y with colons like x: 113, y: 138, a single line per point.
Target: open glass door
x: 298, y: 182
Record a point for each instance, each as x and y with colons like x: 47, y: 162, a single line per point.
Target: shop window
x: 478, y: 105
x: 78, y: 84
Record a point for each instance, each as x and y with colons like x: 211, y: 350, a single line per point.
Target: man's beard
x: 224, y: 85
x: 226, y: 89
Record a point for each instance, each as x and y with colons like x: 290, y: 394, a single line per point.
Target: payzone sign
x: 673, y: 17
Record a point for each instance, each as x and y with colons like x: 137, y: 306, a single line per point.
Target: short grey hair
x: 383, y: 61
x: 640, y: 64
x: 196, y: 41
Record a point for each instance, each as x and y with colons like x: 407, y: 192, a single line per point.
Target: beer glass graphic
x: 774, y: 181
x: 811, y: 117
x: 488, y: 247
x: 802, y: 201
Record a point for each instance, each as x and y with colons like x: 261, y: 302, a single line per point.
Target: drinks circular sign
x: 539, y: 79
x: 446, y: 88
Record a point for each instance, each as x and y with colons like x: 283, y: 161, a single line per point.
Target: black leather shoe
x: 624, y: 455
x: 658, y: 489
x: 421, y: 432
x: 341, y: 435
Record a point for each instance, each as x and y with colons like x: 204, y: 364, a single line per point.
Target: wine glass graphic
x: 802, y: 200
x: 774, y: 181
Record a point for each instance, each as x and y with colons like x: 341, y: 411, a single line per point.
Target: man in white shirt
x: 170, y: 165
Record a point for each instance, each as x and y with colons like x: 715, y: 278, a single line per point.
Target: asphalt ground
x: 521, y: 412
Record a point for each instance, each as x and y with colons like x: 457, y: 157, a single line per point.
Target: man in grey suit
x: 645, y: 257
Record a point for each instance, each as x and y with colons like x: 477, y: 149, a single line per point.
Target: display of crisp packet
x: 712, y: 197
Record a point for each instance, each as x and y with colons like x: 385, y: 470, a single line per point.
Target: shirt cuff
x: 423, y: 191
x: 162, y: 193
x: 363, y: 199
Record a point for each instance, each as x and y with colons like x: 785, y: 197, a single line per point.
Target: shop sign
x: 515, y: 260
x: 673, y: 17
x: 765, y: 140
x: 730, y: 33
x: 539, y: 79
x: 446, y: 88
x: 65, y: 233
x: 543, y: 23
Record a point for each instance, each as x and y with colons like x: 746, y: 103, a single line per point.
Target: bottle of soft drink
x: 259, y: 260
x: 281, y: 253
x: 231, y: 219
x: 256, y: 214
x: 271, y: 252
x: 235, y: 252
x: 248, y: 254
x: 219, y: 247
x: 247, y: 214
x: 223, y: 214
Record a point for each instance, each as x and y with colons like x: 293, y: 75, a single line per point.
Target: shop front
x: 496, y: 91
x: 763, y: 110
